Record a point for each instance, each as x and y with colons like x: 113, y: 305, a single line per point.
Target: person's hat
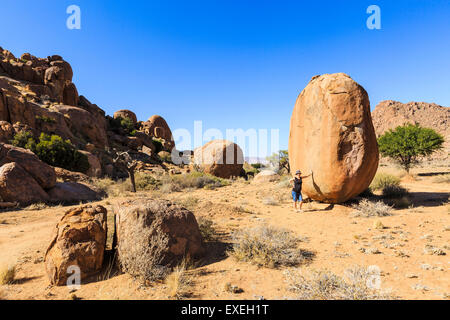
x: 298, y: 172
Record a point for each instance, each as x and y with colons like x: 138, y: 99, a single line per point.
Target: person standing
x: 296, y: 183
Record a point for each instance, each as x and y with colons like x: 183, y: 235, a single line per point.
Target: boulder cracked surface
x: 79, y: 239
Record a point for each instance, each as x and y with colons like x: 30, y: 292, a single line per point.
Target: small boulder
x: 95, y: 168
x: 40, y: 171
x: 70, y: 176
x: 155, y: 232
x: 17, y: 185
x: 266, y: 176
x: 72, y: 192
x: 79, y: 239
x: 220, y: 158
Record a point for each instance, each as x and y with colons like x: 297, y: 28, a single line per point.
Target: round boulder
x: 17, y: 185
x: 126, y: 114
x: 79, y: 240
x: 153, y: 235
x: 220, y: 158
x: 331, y: 133
x: 266, y: 176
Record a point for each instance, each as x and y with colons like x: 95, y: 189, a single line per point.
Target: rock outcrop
x: 17, y: 185
x: 220, y: 158
x: 72, y: 192
x: 157, y: 127
x: 41, y: 172
x: 391, y: 114
x: 23, y: 177
x: 126, y: 114
x: 155, y: 232
x: 79, y: 240
x: 331, y: 133
x: 37, y: 96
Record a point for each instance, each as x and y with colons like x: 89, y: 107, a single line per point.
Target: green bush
x: 53, y: 150
x: 60, y: 153
x: 24, y: 140
x: 256, y: 165
x: 383, y: 180
x: 119, y: 123
x: 407, y: 143
x: 45, y: 119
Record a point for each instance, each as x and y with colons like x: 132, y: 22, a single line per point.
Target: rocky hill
x: 390, y: 114
x: 37, y: 95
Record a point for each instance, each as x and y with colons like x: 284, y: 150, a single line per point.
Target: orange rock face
x: 79, y: 239
x: 332, y: 134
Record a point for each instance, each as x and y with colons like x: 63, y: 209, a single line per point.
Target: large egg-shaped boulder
x: 332, y: 134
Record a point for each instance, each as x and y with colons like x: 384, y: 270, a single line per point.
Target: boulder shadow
x: 429, y: 199
x: 216, y: 251
x: 431, y: 174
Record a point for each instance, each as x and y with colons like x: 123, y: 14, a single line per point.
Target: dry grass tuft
x: 140, y: 252
x: 325, y: 285
x: 111, y: 187
x: 37, y: 206
x: 7, y: 274
x: 366, y: 208
x: 268, y: 246
x: 179, y: 281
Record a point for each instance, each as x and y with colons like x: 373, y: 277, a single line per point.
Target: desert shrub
x: 366, y: 208
x: 284, y: 182
x: 256, y: 165
x: 400, y: 203
x: 140, y: 252
x: 53, y: 150
x: 60, y: 153
x: 393, y: 191
x: 7, y: 274
x: 207, y: 229
x: 45, y: 119
x: 192, y: 180
x: 405, y: 144
x: 268, y: 246
x: 121, y: 124
x: 189, y: 202
x: 111, y: 187
x: 325, y: 285
x: 145, y: 181
x: 383, y: 180
x: 24, y: 139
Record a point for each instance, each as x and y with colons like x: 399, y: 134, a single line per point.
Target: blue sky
x: 235, y: 64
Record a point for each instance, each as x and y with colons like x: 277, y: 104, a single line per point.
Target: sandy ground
x: 332, y: 234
